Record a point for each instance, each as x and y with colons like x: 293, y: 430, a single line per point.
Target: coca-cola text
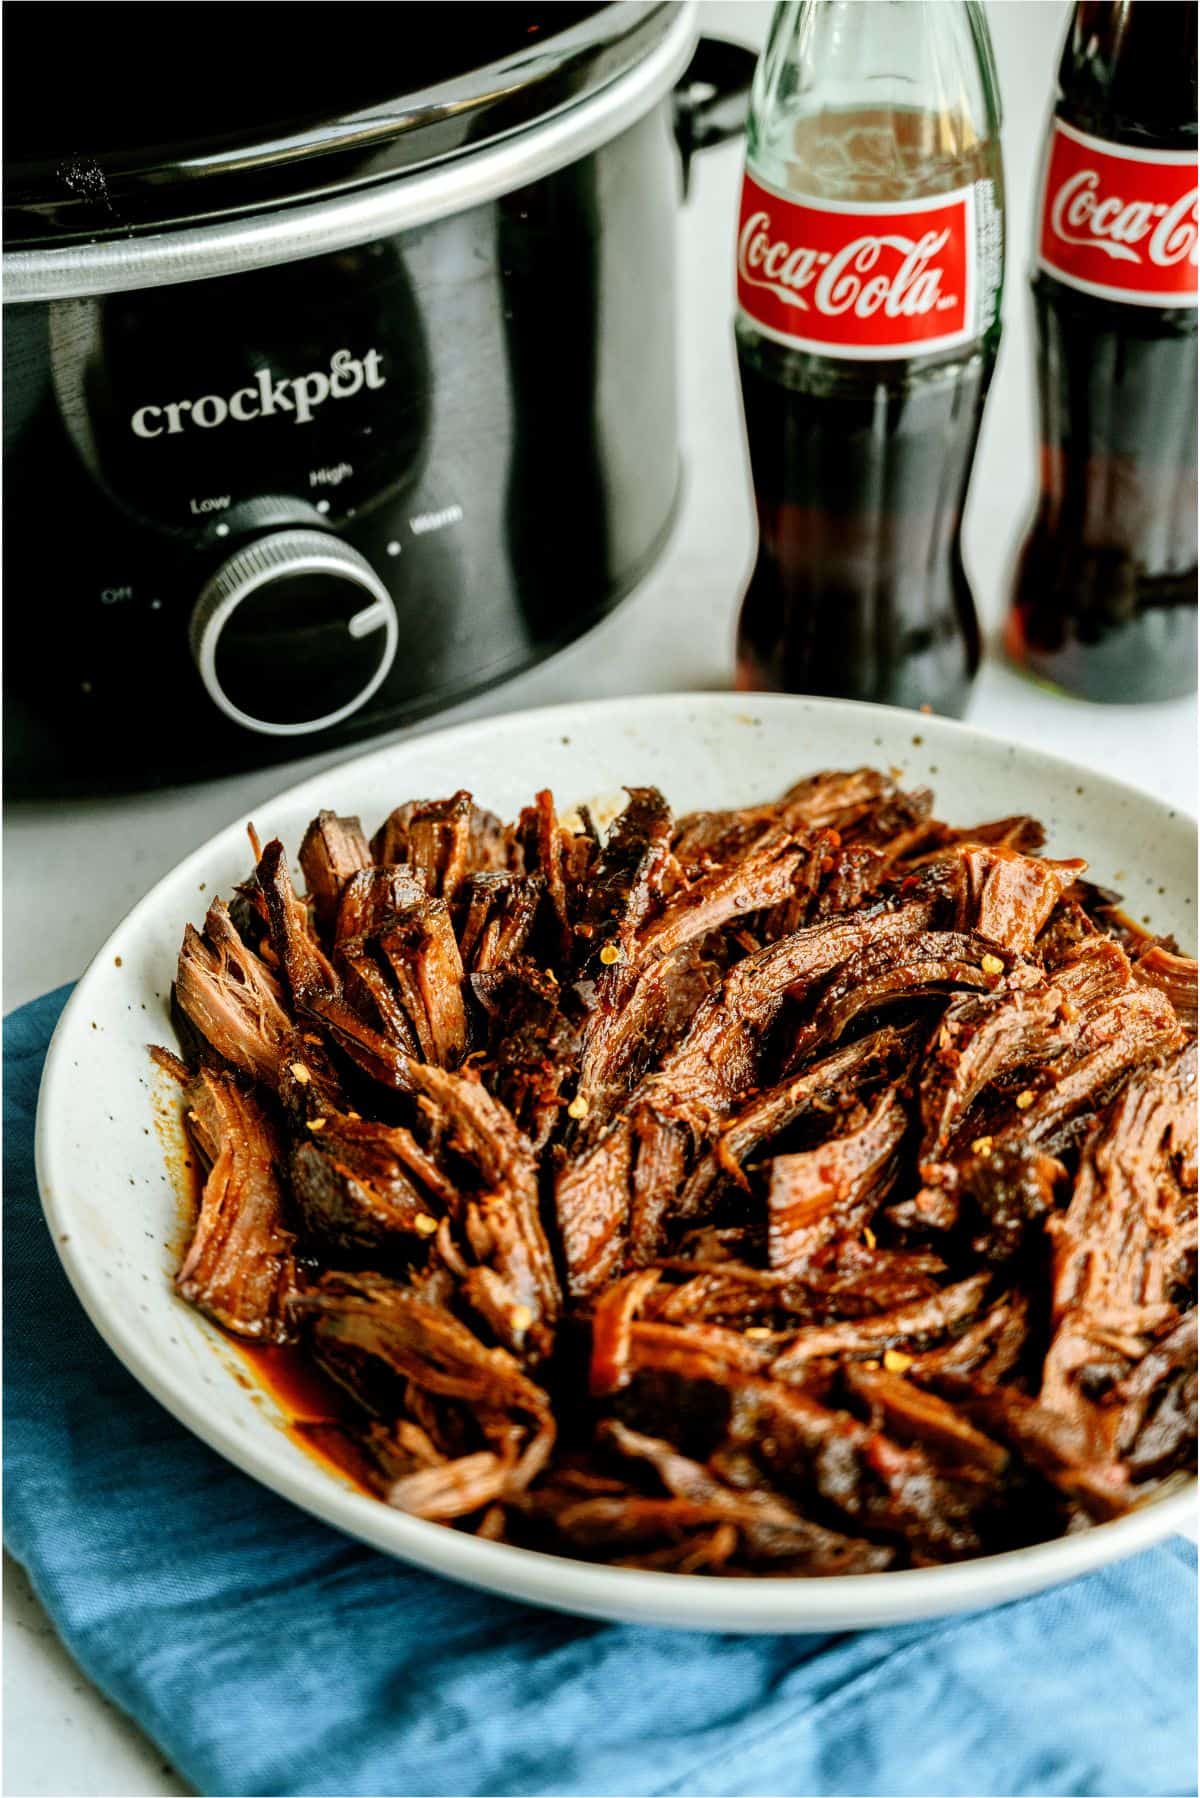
x: 879, y: 281
x: 1119, y: 222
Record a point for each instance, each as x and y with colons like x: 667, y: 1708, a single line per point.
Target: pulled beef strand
x: 240, y: 1265
x: 231, y: 998
x: 798, y: 1190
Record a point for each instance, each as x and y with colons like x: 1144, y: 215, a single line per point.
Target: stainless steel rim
x: 201, y: 252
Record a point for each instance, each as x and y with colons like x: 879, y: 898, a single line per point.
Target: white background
x: 93, y: 859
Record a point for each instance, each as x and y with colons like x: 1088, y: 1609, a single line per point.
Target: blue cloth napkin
x: 265, y: 1653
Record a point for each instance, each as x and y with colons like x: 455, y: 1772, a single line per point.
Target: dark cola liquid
x: 1104, y: 602
x: 860, y: 473
x: 1105, y: 596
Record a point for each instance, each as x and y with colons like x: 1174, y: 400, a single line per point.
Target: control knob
x: 293, y: 633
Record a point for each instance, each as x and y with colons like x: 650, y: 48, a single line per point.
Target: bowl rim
x: 560, y: 1582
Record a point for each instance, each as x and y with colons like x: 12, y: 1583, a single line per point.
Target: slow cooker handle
x: 712, y: 97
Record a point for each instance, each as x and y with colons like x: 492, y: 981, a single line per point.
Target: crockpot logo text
x: 299, y: 395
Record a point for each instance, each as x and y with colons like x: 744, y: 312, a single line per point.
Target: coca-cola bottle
x: 869, y: 266
x: 1105, y: 597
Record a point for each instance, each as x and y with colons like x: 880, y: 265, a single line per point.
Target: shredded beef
x: 232, y: 998
x: 353, y: 1187
x: 239, y: 1266
x: 819, y: 1194
x: 795, y: 1190
x: 333, y: 851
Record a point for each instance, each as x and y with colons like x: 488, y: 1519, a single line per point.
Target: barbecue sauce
x: 303, y: 1393
x: 313, y: 1410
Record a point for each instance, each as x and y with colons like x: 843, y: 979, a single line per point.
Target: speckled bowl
x: 116, y: 1218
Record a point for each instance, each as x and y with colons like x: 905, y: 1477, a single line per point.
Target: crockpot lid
x: 123, y: 118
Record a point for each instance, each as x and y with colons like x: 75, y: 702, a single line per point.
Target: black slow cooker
x: 339, y: 360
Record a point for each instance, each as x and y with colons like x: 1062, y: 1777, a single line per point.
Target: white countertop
x: 98, y: 856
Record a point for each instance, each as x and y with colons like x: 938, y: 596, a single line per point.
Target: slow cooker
x: 339, y: 361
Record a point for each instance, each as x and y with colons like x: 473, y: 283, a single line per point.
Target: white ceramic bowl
x: 115, y: 1212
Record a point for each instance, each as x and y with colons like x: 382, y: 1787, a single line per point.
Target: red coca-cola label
x: 1119, y: 222
x: 849, y: 279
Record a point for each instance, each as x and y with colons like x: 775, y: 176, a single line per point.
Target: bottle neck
x: 862, y: 102
x: 1128, y: 72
